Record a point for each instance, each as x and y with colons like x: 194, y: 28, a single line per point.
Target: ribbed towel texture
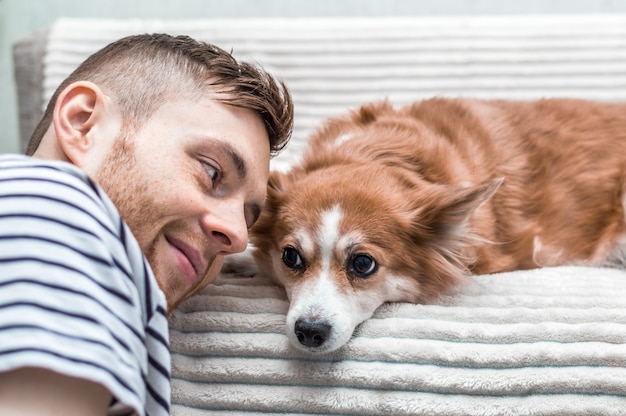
x: 540, y: 342
x: 333, y: 64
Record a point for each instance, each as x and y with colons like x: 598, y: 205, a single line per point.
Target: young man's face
x: 189, y: 184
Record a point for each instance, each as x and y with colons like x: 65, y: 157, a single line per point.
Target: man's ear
x: 81, y: 115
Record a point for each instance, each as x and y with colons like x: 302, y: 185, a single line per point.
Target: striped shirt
x: 77, y: 295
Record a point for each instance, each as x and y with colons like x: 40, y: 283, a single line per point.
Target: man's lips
x: 192, y: 256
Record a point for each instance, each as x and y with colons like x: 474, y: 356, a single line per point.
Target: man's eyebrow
x: 236, y: 160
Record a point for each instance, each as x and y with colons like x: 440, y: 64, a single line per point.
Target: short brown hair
x: 143, y: 71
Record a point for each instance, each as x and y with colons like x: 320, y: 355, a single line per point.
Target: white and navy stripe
x: 76, y: 293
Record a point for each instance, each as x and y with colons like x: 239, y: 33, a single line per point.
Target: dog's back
x: 563, y: 164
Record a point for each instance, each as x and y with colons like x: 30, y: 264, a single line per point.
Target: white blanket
x: 539, y: 342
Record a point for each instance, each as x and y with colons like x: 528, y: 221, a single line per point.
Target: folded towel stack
x: 540, y: 342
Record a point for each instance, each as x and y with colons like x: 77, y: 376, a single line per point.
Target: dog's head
x: 345, y: 239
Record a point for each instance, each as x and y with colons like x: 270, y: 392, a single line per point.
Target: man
x: 178, y: 135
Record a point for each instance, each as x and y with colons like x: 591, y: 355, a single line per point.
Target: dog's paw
x: 241, y: 264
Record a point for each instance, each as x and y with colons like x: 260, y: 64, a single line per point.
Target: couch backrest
x: 333, y: 64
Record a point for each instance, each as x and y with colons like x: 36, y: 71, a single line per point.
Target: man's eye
x: 211, y: 171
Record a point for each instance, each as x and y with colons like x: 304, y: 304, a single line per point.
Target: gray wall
x: 18, y: 17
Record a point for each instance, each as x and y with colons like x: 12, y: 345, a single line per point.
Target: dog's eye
x: 363, y: 265
x: 292, y: 258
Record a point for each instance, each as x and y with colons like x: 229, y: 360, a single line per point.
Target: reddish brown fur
x: 412, y: 178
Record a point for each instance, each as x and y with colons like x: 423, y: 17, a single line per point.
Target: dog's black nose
x: 311, y: 333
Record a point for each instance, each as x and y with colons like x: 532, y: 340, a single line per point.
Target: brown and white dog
x: 399, y: 204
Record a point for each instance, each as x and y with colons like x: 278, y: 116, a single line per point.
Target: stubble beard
x: 124, y: 185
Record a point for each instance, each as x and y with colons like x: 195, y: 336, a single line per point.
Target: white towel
x: 540, y: 342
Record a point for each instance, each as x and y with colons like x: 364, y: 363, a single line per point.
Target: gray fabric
x: 28, y: 54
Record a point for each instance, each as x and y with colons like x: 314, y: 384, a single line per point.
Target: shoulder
x: 29, y: 185
x: 51, y: 213
x: 18, y: 168
x: 76, y: 293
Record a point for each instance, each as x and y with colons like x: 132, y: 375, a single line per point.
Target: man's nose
x: 225, y: 225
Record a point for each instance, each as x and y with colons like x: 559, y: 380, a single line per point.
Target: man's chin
x: 175, y: 287
x: 173, y: 295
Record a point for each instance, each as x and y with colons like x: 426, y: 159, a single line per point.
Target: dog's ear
x: 276, y: 185
x: 439, y: 231
x: 279, y: 184
x: 449, y: 210
x: 369, y: 113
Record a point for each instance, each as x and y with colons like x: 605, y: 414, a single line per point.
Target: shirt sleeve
x: 67, y: 303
